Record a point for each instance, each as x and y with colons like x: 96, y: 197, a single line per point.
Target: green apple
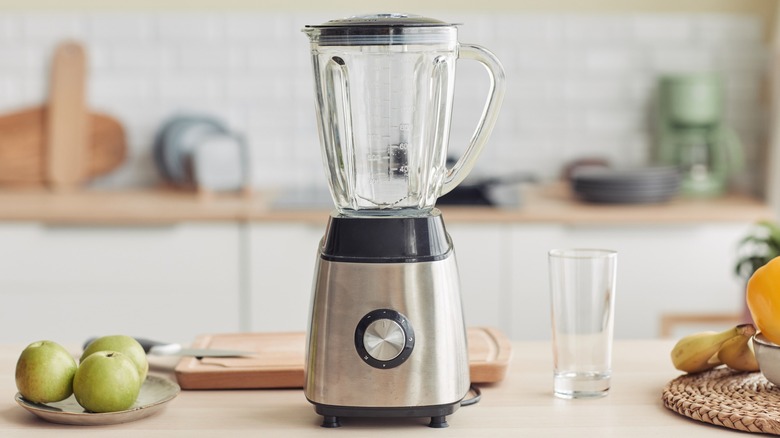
x: 44, y: 372
x: 106, y: 381
x: 123, y: 344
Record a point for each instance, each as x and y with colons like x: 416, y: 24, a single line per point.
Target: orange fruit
x: 763, y: 299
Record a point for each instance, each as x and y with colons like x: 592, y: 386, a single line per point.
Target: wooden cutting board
x: 67, y: 121
x: 60, y: 143
x: 280, y: 358
x: 23, y: 156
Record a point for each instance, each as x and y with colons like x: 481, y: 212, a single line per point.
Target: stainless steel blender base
x: 387, y: 339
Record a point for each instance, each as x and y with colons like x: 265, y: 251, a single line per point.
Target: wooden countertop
x: 541, y: 204
x: 521, y: 405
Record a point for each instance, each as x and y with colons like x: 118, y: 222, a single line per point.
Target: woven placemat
x: 728, y: 398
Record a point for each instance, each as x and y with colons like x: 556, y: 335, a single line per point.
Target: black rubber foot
x: 330, y: 421
x: 438, y: 422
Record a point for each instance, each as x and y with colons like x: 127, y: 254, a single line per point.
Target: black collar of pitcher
x: 386, y: 239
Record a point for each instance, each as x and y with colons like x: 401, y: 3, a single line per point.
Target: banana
x: 699, y: 352
x: 737, y: 352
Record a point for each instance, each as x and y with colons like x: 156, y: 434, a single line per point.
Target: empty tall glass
x: 582, y: 288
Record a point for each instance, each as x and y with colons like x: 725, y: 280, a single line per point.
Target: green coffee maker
x: 692, y: 133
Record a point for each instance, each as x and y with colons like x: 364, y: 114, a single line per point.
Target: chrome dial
x: 384, y: 339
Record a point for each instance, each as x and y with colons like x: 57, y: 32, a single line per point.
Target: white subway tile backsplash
x: 577, y: 84
x: 10, y: 94
x: 572, y: 118
x: 640, y: 87
x: 122, y: 26
x: 204, y: 58
x: 652, y: 29
x: 615, y: 121
x: 248, y: 28
x: 98, y: 58
x: 585, y: 91
x: 189, y: 27
x: 539, y: 155
x: 715, y: 29
x: 53, y: 26
x: 107, y: 89
x: 582, y: 30
x: 525, y: 59
x: 256, y: 88
x: 10, y: 27
x: 681, y: 59
x: 26, y: 85
x: 139, y: 56
x: 530, y: 92
x: 612, y: 61
x: 271, y: 60
x: 20, y: 59
x: 34, y: 89
x: 525, y: 28
x: 480, y: 27
x: 190, y: 86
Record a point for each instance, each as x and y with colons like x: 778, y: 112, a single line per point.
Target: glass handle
x: 487, y: 121
x: 337, y: 129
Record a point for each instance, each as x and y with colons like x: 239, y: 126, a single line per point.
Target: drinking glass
x: 582, y: 290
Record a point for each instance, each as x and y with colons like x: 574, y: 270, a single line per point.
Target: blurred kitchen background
x: 582, y: 87
x: 582, y: 75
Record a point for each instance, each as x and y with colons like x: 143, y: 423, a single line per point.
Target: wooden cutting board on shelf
x: 280, y: 359
x: 67, y: 120
x: 61, y: 143
x: 23, y: 149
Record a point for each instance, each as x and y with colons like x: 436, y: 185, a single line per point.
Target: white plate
x: 155, y: 393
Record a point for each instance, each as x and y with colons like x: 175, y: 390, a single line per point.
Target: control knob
x: 384, y: 338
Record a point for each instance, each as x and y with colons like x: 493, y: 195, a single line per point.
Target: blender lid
x: 380, y: 29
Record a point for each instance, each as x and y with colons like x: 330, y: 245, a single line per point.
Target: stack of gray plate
x: 626, y: 186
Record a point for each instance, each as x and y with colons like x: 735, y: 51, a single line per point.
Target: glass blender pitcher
x: 387, y: 336
x: 384, y: 87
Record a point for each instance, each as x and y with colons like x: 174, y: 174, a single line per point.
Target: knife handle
x: 146, y: 344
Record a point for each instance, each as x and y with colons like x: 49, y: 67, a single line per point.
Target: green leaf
x: 761, y: 245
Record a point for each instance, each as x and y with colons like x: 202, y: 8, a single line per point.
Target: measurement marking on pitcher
x: 398, y: 158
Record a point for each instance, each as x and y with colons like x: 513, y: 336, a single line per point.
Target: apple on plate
x: 44, y: 372
x: 123, y: 344
x: 107, y: 381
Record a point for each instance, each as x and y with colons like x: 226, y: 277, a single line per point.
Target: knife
x: 157, y: 348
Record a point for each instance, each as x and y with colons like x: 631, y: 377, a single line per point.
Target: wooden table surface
x: 520, y: 406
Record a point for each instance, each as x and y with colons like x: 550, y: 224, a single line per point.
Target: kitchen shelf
x: 541, y: 204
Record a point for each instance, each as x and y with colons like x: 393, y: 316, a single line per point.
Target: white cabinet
x: 67, y: 283
x: 503, y: 271
x: 281, y: 262
x: 480, y: 250
x: 174, y: 282
x: 661, y: 269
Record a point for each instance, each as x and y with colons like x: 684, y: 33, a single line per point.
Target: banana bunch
x: 703, y: 351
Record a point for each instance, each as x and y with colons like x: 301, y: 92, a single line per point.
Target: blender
x: 386, y: 333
